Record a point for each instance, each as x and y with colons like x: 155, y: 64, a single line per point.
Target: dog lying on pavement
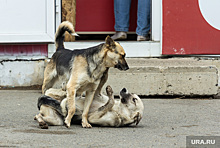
x: 82, y: 70
x: 104, y: 111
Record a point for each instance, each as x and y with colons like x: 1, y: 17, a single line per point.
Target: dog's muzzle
x: 121, y: 66
x: 124, y: 96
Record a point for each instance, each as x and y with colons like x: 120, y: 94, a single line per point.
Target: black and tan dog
x: 82, y: 70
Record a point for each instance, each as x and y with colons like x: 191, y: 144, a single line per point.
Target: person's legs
x: 122, y: 13
x: 143, y: 17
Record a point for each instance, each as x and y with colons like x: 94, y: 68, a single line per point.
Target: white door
x: 27, y: 21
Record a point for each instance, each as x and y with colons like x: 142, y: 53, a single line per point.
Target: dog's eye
x: 134, y: 99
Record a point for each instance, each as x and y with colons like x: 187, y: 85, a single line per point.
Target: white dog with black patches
x: 104, y: 111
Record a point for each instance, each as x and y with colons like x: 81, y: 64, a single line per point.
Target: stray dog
x: 104, y: 111
x: 82, y: 70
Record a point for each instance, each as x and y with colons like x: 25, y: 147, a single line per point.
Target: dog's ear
x: 110, y: 43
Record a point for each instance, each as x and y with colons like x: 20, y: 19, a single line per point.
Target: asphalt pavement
x: 166, y: 123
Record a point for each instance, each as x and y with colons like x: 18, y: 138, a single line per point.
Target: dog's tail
x: 60, y: 33
x: 46, y: 100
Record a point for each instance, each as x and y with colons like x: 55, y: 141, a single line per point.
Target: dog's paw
x: 67, y: 124
x: 137, y: 118
x: 109, y: 90
x: 43, y: 125
x: 86, y: 125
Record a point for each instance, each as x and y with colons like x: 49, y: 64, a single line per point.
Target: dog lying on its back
x: 104, y: 111
x: 82, y: 70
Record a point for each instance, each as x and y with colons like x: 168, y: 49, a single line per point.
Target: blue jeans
x: 122, y: 11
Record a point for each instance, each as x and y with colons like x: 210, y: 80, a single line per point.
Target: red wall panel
x: 185, y: 31
x: 98, y: 16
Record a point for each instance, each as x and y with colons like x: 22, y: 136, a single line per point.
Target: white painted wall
x: 21, y: 73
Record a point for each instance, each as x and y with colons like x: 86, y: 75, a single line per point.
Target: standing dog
x: 82, y: 70
x: 104, y: 111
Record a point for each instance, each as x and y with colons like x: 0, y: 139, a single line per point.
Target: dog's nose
x: 126, y: 68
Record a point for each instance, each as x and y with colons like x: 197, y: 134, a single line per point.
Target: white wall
x: 21, y: 73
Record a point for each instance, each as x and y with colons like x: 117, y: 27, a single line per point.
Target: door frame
x: 133, y: 48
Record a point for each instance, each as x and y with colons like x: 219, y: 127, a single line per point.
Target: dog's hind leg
x: 41, y: 122
x: 71, y: 94
x: 53, y: 120
x: 48, y: 83
x: 48, y: 116
x: 50, y: 77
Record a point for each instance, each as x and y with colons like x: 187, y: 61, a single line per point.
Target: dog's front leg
x: 104, y: 78
x: 88, y: 101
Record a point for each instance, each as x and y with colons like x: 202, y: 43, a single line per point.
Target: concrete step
x: 146, y: 76
x: 176, y: 76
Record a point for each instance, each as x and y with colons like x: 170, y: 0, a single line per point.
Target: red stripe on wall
x: 24, y: 50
